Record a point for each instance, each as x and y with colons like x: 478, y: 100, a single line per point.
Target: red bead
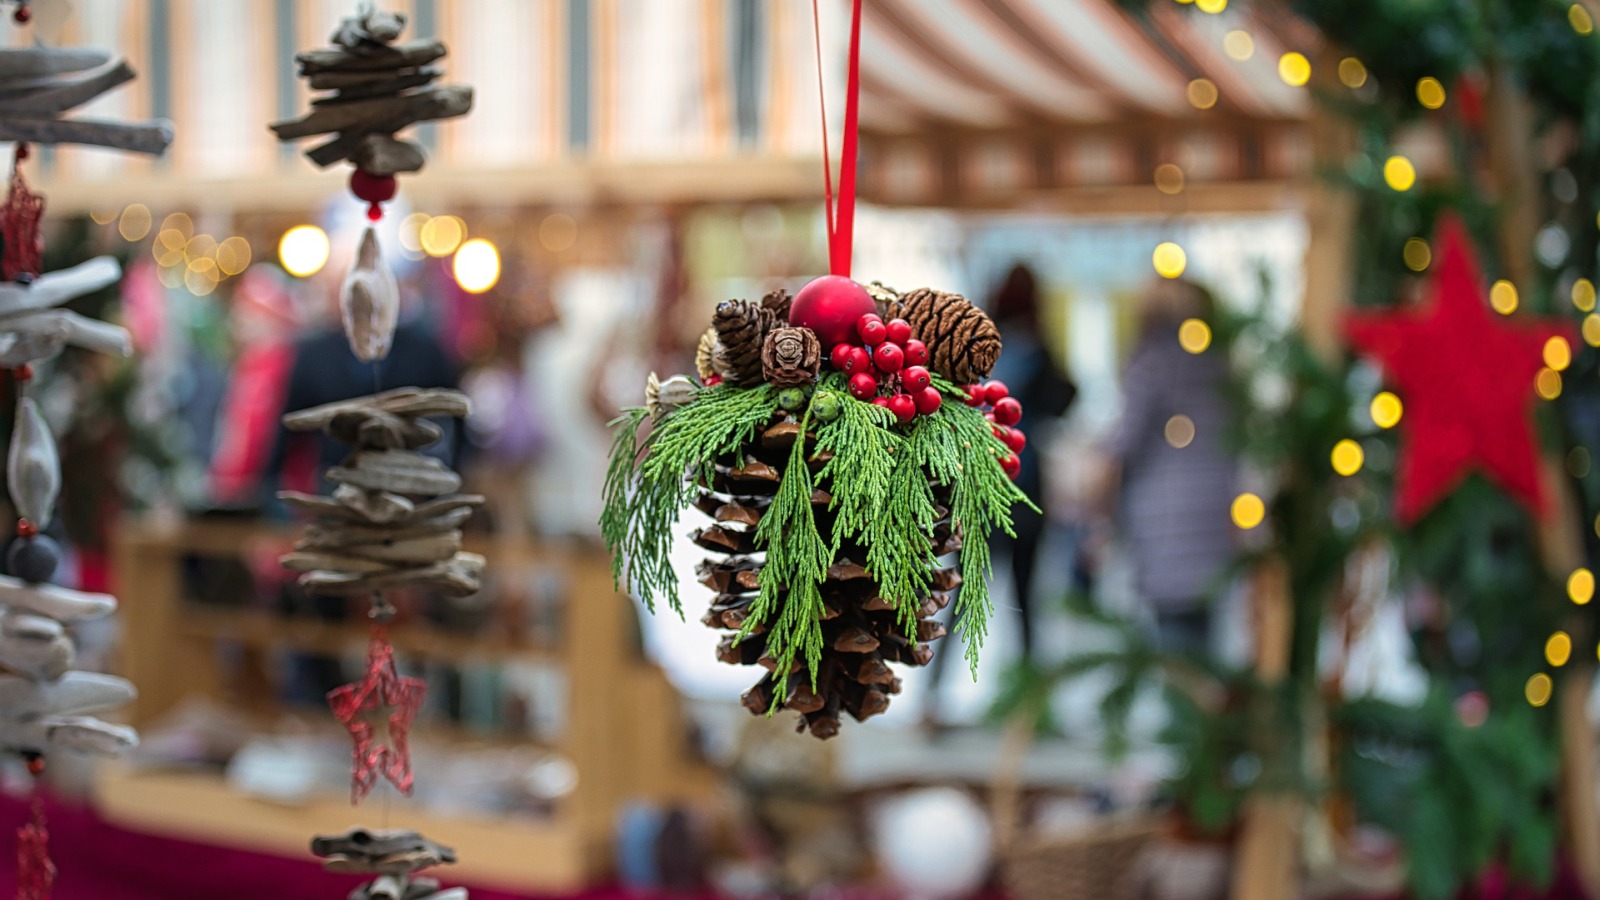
x: 903, y: 407
x: 928, y: 400
x: 974, y: 394
x: 374, y: 212
x: 995, y: 391
x: 872, y: 330
x: 373, y: 188
x: 915, y: 378
x: 1007, y: 411
x: 23, y: 15
x: 889, y: 358
x: 840, y: 356
x: 916, y: 352
x: 860, y: 361
x: 899, y: 331
x: 1012, y: 465
x: 863, y: 386
x: 23, y: 150
x: 26, y: 529
x: 23, y: 372
x: 1016, y: 440
x: 831, y: 306
x: 36, y: 766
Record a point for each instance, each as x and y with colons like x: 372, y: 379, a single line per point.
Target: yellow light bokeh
x: 200, y: 247
x: 1430, y: 93
x: 1248, y: 511
x: 1417, y: 254
x: 1539, y: 689
x: 1202, y: 93
x: 179, y: 222
x: 1548, y: 384
x: 476, y: 266
x: 1211, y: 6
x: 201, y: 281
x: 1352, y: 72
x: 411, y: 231
x: 441, y: 235
x: 1386, y: 410
x: 172, y: 276
x: 1194, y: 335
x: 233, y: 255
x: 1347, y: 457
x: 1179, y: 431
x: 1558, y: 649
x: 1503, y: 297
x: 1169, y: 259
x: 1557, y: 353
x: 134, y: 223
x: 1294, y: 69
x: 1580, y: 586
x: 1591, y: 329
x: 1399, y: 173
x: 1239, y: 45
x: 1169, y: 178
x: 1579, y: 17
x: 103, y: 216
x: 1583, y: 295
x: 558, y: 232
x: 303, y: 250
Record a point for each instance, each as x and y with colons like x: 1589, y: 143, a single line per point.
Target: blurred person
x: 1177, y: 480
x: 263, y: 321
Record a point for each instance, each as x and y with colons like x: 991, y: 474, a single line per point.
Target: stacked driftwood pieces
x: 394, y: 857
x: 395, y: 518
x: 39, y: 84
x: 377, y: 88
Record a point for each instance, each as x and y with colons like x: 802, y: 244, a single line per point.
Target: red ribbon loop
x: 841, y: 218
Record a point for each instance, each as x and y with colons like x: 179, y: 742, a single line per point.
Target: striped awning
x: 1006, y: 102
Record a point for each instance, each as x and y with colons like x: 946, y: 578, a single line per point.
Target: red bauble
x: 899, y: 331
x: 859, y: 360
x: 840, y: 356
x: 995, y: 391
x: 1007, y: 411
x: 863, y: 386
x: 928, y: 400
x: 871, y: 330
x: 916, y: 352
x: 915, y: 378
x: 831, y: 306
x: 903, y: 407
x: 1016, y: 440
x: 1012, y: 465
x: 974, y: 394
x: 889, y: 358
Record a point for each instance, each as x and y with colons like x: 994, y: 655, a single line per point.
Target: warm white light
x: 477, y: 266
x: 303, y: 250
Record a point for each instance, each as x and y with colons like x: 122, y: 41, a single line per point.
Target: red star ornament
x: 384, y: 692
x: 1466, y: 375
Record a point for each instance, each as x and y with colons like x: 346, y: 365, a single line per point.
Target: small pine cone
x: 791, y: 356
x: 777, y: 304
x: 705, y: 355
x: 963, y: 344
x: 740, y: 330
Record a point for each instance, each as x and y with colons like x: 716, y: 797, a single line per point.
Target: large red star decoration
x: 36, y: 874
x: 1466, y: 376
x: 382, y: 691
x: 19, y: 230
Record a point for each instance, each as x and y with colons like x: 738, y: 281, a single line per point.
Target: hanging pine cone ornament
x: 962, y: 341
x: 839, y: 525
x: 791, y: 356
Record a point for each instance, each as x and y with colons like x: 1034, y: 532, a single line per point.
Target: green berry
x: 791, y: 398
x: 825, y: 406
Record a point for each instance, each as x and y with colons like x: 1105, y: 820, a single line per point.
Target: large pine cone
x: 791, y: 356
x: 963, y: 344
x: 861, y: 632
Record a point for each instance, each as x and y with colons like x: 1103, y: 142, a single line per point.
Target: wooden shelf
x: 263, y: 630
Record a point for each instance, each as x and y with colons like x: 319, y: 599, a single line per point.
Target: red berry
x: 1016, y: 440
x: 889, y: 357
x: 26, y: 529
x: 903, y: 407
x: 928, y: 400
x: 995, y: 391
x: 839, y: 356
x: 863, y: 386
x: 1012, y: 465
x: 713, y: 380
x: 916, y: 352
x: 872, y: 331
x: 1007, y: 411
x: 974, y: 394
x: 881, y: 401
x: 999, y: 432
x: 916, y: 378
x: 830, y: 306
x: 899, y: 331
x: 860, y: 361
x: 35, y: 763
x: 989, y: 416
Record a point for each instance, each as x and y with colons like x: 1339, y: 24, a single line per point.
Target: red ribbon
x: 841, y: 218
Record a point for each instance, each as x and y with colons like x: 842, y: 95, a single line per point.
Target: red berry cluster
x: 1004, y: 412
x: 888, y: 368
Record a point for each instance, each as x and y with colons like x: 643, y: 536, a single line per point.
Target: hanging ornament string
x: 841, y: 217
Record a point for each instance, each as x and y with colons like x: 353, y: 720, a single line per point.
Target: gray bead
x: 33, y: 559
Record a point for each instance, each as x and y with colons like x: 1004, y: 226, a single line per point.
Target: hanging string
x: 841, y: 217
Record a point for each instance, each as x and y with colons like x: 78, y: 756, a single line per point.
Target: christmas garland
x: 849, y: 485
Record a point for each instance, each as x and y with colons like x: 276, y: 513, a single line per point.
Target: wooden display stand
x: 623, y: 730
